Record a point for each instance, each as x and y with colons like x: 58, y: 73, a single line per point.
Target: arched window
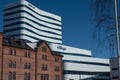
x: 10, y: 76
x: 41, y: 77
x: 28, y: 76
x: 14, y: 64
x: 47, y: 77
x: 25, y: 65
x: 25, y: 76
x: 14, y: 75
x: 10, y: 64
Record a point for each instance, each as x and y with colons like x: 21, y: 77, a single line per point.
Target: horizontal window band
x: 21, y: 5
x: 30, y: 37
x: 30, y: 26
x: 74, y: 54
x: 86, y: 73
x: 34, y: 17
x: 10, y: 30
x: 82, y: 62
x: 20, y: 11
x: 32, y: 21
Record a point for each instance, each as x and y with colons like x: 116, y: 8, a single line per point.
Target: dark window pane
x: 14, y: 64
x: 28, y: 65
x: 10, y: 51
x: 41, y: 77
x: 25, y: 76
x: 28, y: 76
x: 29, y: 55
x: 10, y: 76
x: 10, y: 64
x: 25, y: 65
x: 25, y: 54
x: 14, y: 75
x: 44, y: 49
x: 14, y: 52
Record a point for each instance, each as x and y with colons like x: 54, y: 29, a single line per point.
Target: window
x: 14, y: 75
x: 27, y: 65
x: 27, y: 54
x: 14, y: 52
x: 56, y: 68
x: 10, y: 76
x: 10, y: 64
x: 44, y: 49
x: 10, y: 51
x: 44, y: 77
x: 41, y: 77
x: 44, y: 57
x: 14, y: 64
x: 57, y: 77
x: 27, y: 76
x: 56, y: 59
x: 44, y: 67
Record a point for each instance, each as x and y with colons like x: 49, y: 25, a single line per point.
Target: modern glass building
x: 22, y: 20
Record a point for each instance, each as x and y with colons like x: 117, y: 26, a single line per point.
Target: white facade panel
x: 12, y: 21
x: 41, y: 11
x: 85, y: 59
x: 36, y: 25
x: 36, y: 15
x: 34, y: 30
x: 85, y: 67
x: 68, y: 49
x: 41, y: 17
x: 12, y: 15
x: 44, y: 23
x: 42, y: 27
x: 35, y: 8
x: 34, y: 35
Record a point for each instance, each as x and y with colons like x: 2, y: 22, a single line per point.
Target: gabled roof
x: 23, y: 44
x: 53, y: 53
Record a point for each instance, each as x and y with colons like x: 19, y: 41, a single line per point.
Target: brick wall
x: 1, y: 36
x: 20, y: 61
x: 36, y: 61
x: 50, y: 62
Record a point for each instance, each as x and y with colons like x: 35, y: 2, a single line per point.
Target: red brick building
x: 18, y: 61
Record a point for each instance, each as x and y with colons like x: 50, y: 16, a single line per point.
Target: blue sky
x: 77, y: 24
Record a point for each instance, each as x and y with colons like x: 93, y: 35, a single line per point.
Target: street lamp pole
x: 117, y: 35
